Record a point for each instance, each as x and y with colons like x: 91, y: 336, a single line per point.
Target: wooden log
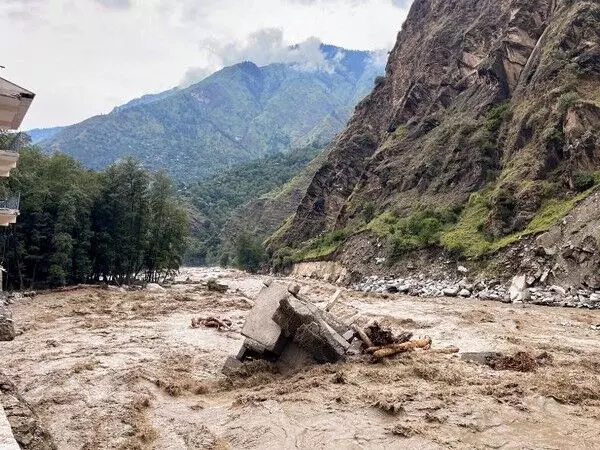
x: 333, y: 300
x: 394, y: 349
x: 363, y: 336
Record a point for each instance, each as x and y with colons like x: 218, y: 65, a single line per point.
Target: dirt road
x: 107, y: 369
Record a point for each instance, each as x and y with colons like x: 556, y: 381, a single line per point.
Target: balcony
x: 9, y: 210
x: 9, y: 156
x: 14, y: 103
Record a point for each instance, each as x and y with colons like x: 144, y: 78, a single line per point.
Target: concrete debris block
x: 349, y: 335
x: 259, y: 325
x: 7, y: 328
x: 294, y: 289
x: 230, y: 365
x: 324, y: 344
x: 518, y: 291
x: 355, y: 347
x: 309, y: 327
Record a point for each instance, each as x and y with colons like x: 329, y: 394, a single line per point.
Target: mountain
x: 237, y: 114
x: 38, y: 135
x: 235, y: 194
x: 482, y: 136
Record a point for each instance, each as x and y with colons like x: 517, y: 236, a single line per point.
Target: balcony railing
x: 12, y: 202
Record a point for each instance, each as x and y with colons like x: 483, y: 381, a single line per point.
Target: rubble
x: 492, y: 290
x: 284, y: 328
x: 519, y: 362
x: 212, y: 322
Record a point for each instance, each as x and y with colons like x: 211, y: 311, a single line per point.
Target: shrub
x: 582, y: 181
x: 368, y: 212
x: 565, y: 101
x: 379, y: 80
x: 496, y: 116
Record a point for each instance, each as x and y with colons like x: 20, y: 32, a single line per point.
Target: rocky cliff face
x: 494, y: 98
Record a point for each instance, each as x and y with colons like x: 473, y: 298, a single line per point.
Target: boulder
x: 153, y: 287
x: 451, y: 292
x: 464, y: 293
x: 559, y: 290
x: 518, y: 291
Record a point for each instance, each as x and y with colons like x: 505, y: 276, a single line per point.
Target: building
x: 14, y: 103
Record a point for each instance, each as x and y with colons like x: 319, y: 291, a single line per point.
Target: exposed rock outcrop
x: 494, y: 98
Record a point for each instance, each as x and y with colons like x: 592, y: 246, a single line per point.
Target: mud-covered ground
x: 109, y: 369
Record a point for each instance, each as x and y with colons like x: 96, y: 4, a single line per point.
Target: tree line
x: 119, y: 225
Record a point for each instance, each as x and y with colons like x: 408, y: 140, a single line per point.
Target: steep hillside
x: 218, y: 204
x: 481, y: 133
x: 237, y: 114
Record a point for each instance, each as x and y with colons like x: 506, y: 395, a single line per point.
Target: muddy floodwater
x: 113, y: 369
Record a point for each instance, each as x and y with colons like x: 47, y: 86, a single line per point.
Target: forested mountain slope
x: 239, y: 113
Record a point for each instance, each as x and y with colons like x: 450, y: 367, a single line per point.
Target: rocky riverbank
x: 518, y: 291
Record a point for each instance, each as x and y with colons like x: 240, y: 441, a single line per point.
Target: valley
x: 124, y: 369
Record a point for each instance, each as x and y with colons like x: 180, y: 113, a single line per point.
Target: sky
x: 84, y: 57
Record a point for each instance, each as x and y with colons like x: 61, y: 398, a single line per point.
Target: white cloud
x: 115, y: 4
x: 83, y: 57
x: 263, y: 47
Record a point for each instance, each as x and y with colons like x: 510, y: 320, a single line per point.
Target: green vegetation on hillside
x: 239, y: 113
x: 468, y: 236
x: 218, y: 197
x: 78, y: 226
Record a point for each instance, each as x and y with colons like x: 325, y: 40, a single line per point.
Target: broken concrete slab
x: 230, y: 366
x: 293, y: 358
x: 303, y: 322
x: 324, y: 344
x: 260, y: 326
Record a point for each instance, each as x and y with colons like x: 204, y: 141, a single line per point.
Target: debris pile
x: 213, y: 285
x: 283, y: 327
x: 212, y: 322
x: 519, y: 362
